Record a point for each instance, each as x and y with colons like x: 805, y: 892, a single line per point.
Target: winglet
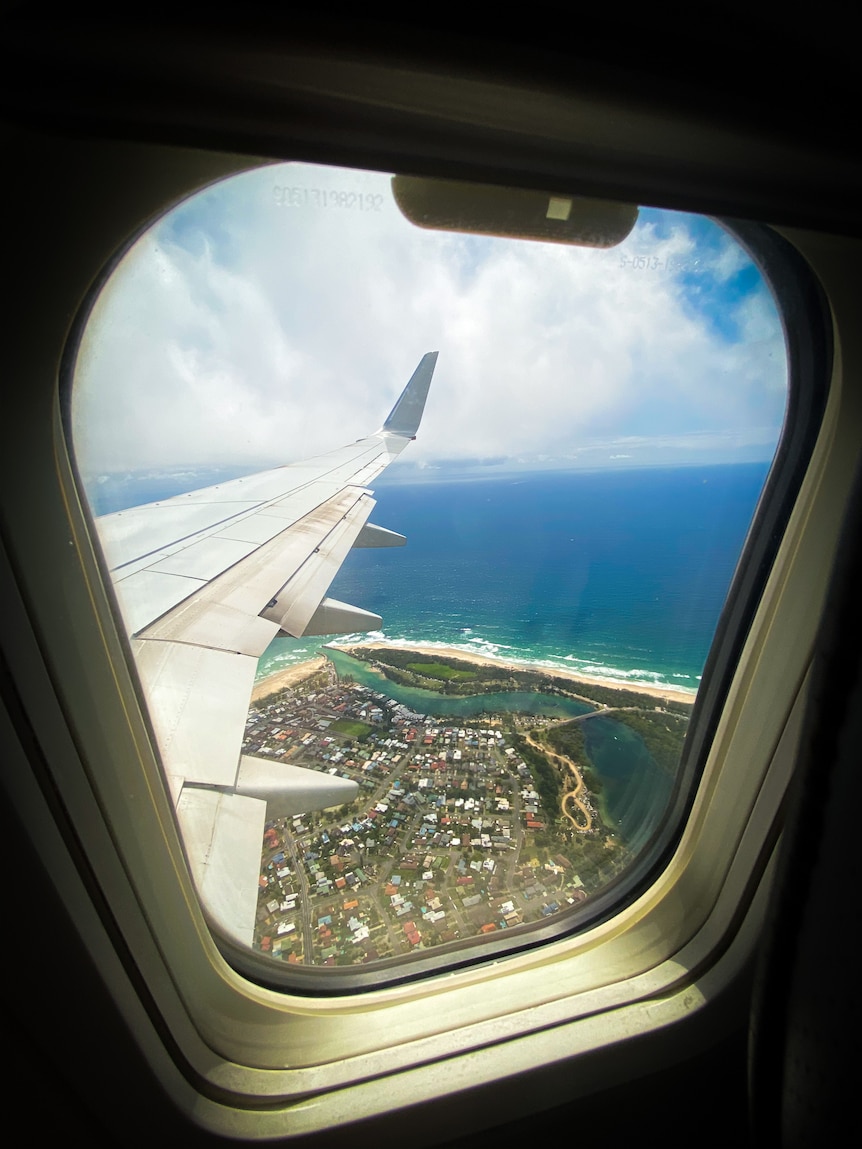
x: 405, y: 416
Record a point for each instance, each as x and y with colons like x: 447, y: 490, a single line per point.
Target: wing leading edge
x: 205, y: 581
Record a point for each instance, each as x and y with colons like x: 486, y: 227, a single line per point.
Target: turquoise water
x: 470, y: 706
x: 634, y: 790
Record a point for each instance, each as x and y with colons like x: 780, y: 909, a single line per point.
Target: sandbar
x: 290, y: 676
x: 669, y: 693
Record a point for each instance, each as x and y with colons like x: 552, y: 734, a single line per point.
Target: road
x: 571, y: 796
x: 304, y: 898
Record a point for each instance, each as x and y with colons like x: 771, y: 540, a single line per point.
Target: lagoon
x: 634, y: 790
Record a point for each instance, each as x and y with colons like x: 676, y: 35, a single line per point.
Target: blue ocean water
x: 618, y: 574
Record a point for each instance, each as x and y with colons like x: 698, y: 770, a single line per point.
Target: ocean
x: 617, y: 574
x: 621, y: 575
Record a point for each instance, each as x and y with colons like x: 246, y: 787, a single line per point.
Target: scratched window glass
x: 375, y: 747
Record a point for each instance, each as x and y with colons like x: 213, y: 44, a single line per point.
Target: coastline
x: 673, y: 694
x: 290, y: 676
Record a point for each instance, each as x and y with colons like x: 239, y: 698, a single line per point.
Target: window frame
x: 804, y: 318
x: 279, y: 1062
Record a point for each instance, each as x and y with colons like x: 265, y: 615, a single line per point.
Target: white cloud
x: 248, y: 332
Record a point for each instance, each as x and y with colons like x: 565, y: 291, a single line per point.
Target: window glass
x: 598, y: 430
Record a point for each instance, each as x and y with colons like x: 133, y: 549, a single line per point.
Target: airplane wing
x: 205, y: 581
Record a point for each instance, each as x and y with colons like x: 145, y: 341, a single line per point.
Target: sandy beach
x: 282, y: 679
x: 300, y: 670
x: 580, y: 680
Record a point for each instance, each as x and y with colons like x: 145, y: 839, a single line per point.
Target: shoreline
x: 290, y: 676
x: 672, y: 693
x: 299, y: 670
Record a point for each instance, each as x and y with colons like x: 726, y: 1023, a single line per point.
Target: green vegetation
x: 455, y: 676
x: 568, y: 739
x: 351, y: 728
x: 464, y: 678
x: 594, y: 858
x: 440, y: 670
x: 548, y: 784
x: 662, y: 734
x: 607, y: 695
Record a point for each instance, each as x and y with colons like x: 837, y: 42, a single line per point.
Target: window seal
x: 805, y: 320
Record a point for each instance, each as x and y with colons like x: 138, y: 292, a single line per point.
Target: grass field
x: 351, y: 727
x: 440, y: 670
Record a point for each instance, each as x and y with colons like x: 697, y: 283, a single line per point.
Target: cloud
x: 273, y: 316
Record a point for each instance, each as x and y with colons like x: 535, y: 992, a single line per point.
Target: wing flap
x: 222, y: 835
x: 307, y: 587
x: 334, y: 617
x: 161, y: 554
x: 198, y: 703
x: 304, y: 556
x: 290, y: 790
x: 197, y: 662
x: 373, y: 536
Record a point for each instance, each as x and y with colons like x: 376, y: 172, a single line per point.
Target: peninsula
x: 464, y: 824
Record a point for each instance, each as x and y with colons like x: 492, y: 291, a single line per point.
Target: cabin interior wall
x: 72, y: 1066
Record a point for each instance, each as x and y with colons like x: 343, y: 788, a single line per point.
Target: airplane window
x: 374, y: 751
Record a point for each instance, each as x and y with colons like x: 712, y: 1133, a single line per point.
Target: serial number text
x: 327, y: 197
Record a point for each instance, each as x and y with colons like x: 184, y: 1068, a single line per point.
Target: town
x: 447, y: 840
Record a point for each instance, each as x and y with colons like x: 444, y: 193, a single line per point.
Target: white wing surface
x: 205, y: 581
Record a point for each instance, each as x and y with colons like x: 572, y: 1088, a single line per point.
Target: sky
x: 279, y: 313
